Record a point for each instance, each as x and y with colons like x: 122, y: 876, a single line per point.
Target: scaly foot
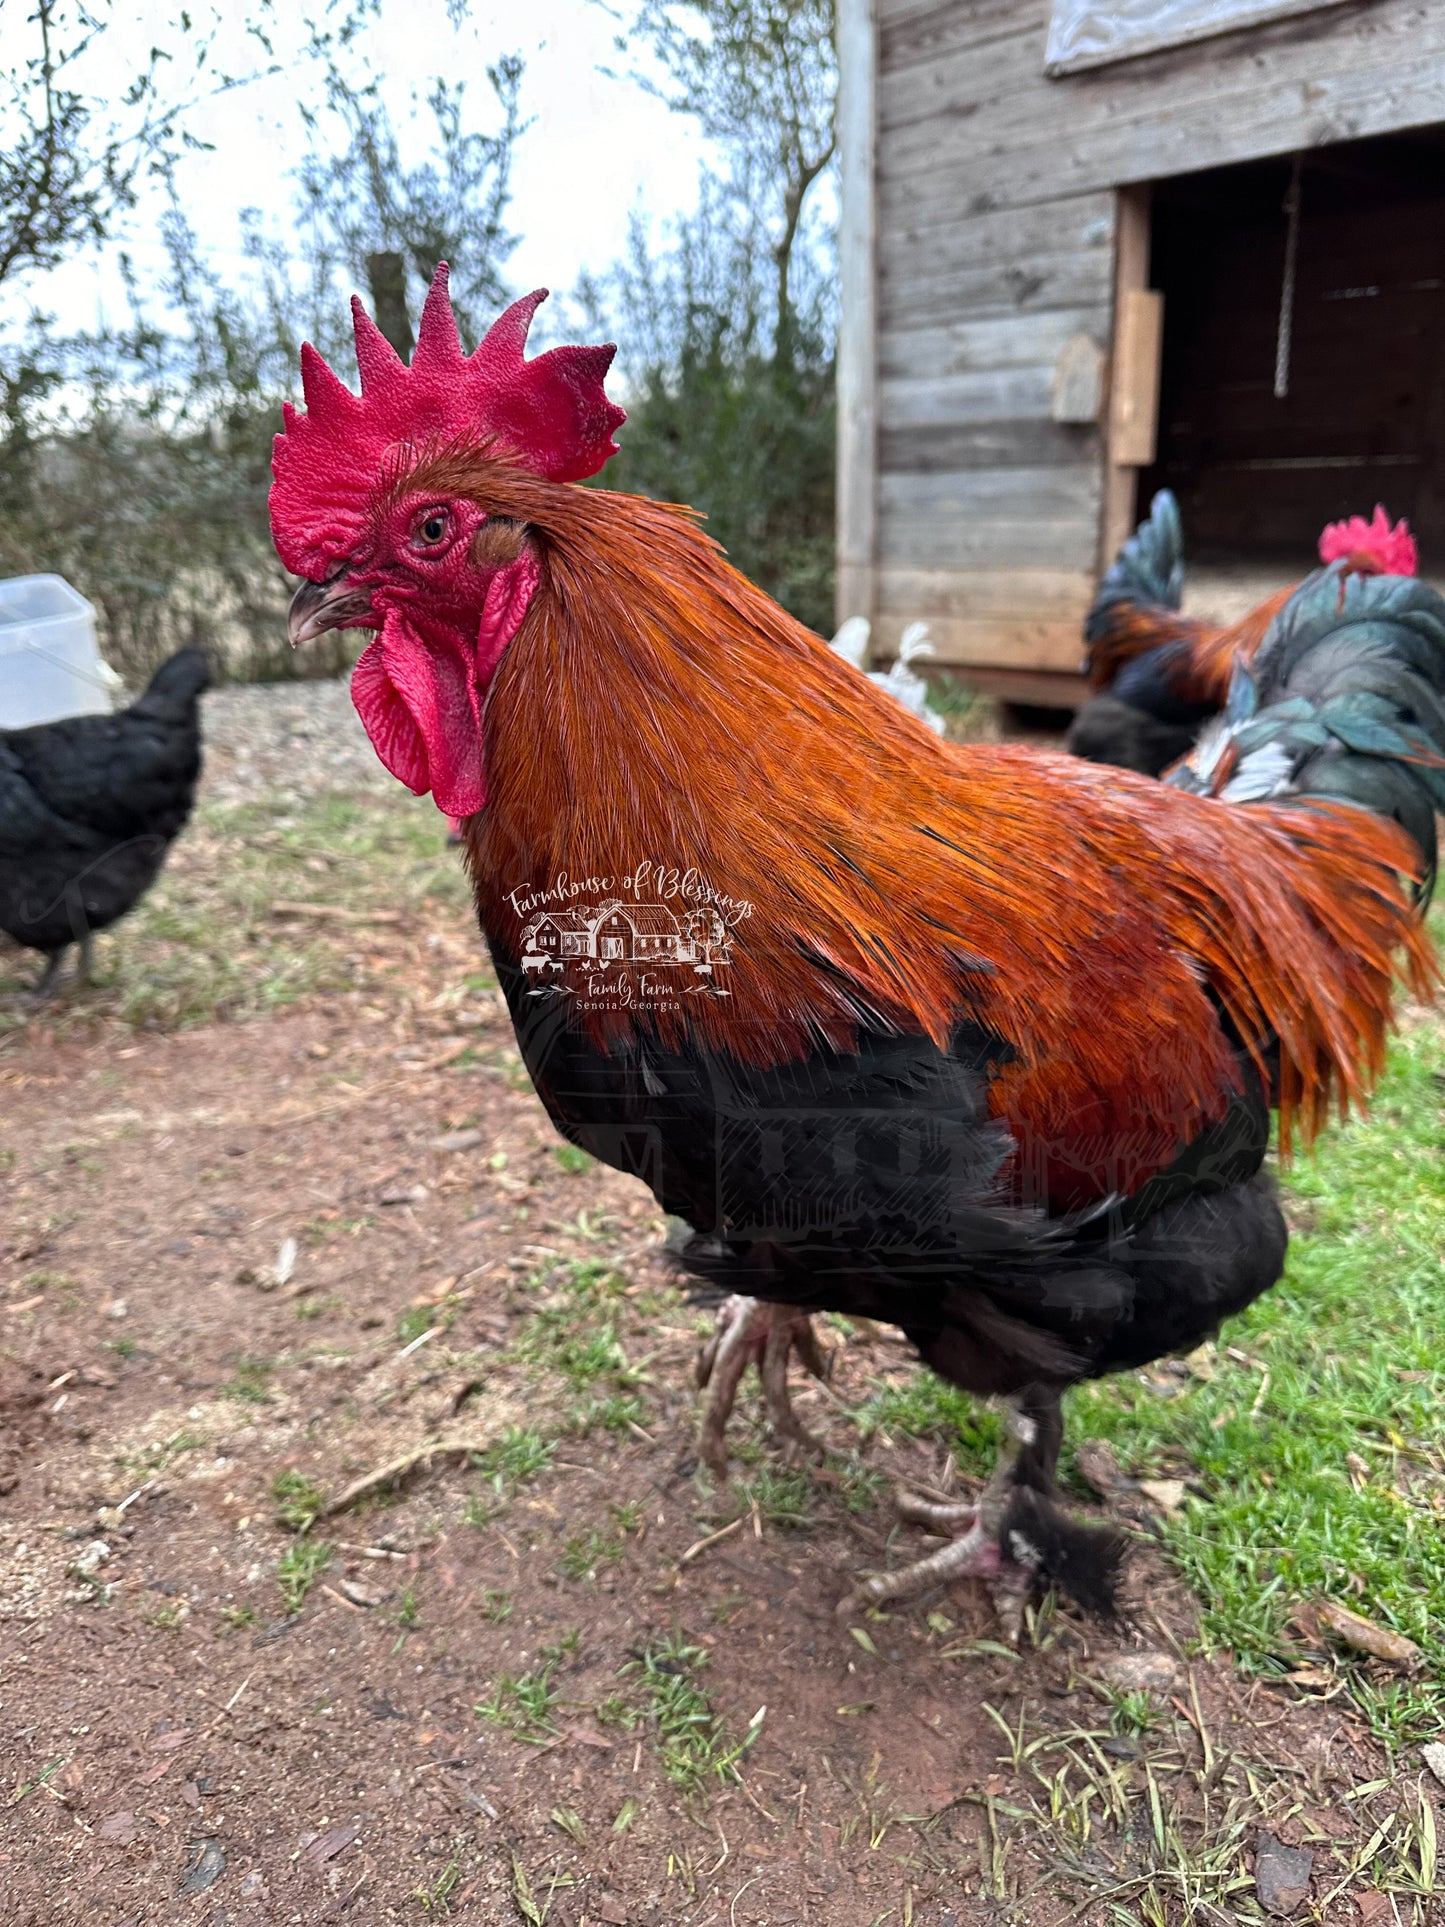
x: 48, y: 983
x: 975, y: 1548
x: 752, y: 1331
x: 974, y: 1554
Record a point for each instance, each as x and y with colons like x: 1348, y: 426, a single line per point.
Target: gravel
x: 284, y: 741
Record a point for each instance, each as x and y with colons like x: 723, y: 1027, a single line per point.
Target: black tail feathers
x: 176, y: 684
x: 1085, y: 1562
x: 1148, y: 570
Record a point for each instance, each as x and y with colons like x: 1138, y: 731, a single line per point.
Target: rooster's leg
x: 86, y: 960
x: 751, y: 1331
x: 43, y: 991
x: 977, y: 1551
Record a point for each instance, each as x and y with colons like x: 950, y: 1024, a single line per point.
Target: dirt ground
x: 540, y: 1672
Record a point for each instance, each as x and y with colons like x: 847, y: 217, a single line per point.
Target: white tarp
x: 1087, y: 33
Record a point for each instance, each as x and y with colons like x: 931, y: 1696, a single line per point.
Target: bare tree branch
x: 69, y: 164
x: 760, y: 78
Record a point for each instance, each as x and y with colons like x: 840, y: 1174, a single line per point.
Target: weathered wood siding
x: 995, y: 209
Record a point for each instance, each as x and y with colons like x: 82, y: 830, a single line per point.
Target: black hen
x: 88, y: 808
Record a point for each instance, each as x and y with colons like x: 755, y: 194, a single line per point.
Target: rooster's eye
x: 432, y: 529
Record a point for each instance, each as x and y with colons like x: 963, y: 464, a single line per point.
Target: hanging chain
x: 1286, y: 293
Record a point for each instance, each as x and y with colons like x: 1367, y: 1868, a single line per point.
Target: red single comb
x: 551, y: 413
x: 1392, y: 550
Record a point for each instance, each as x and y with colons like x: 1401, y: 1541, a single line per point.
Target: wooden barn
x: 1094, y: 247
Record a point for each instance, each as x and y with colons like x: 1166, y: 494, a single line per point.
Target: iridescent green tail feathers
x: 1345, y: 702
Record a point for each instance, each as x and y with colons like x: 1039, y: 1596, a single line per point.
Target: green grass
x: 924, y: 1407
x: 1346, y: 1356
x: 615, y: 1412
x: 168, y: 1618
x: 582, y: 1357
x: 1132, y: 1711
x: 572, y: 1160
x: 413, y: 1321
x: 248, y: 1386
x: 574, y: 1338
x: 694, y: 1748
x: 522, y: 1704
x: 584, y: 1554
x: 204, y: 944
x: 518, y: 1454
x: 435, y: 1895
x: 298, y: 1500
x: 156, y: 1456
x: 299, y: 1568
x: 576, y: 1332
x: 783, y: 1494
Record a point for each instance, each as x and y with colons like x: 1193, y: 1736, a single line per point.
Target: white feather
x: 902, y: 682
x: 851, y: 641
x: 1268, y: 772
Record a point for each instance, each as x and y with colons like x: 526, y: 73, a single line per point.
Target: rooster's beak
x: 319, y: 606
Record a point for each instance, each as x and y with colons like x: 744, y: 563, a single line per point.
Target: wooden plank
x: 1006, y: 105
x: 912, y: 289
x: 1017, y: 643
x: 1134, y: 377
x: 1004, y: 394
x: 977, y: 542
x: 1131, y: 277
x: 966, y: 346
x: 912, y: 35
x: 1299, y: 84
x: 1078, y: 384
x: 954, y: 86
x: 1038, y: 688
x: 948, y: 238
x: 1044, y: 595
x: 935, y: 448
x: 998, y: 494
x: 857, y: 362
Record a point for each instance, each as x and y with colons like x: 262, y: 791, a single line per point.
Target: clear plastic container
x: 49, y: 664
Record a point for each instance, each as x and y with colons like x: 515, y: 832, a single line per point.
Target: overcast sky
x: 597, y: 148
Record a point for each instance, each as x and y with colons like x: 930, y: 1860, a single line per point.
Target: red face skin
x: 444, y: 622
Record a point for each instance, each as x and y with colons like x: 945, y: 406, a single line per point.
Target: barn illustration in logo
x: 594, y: 937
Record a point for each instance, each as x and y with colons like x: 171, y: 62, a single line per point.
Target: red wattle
x: 394, y: 736
x: 420, y: 696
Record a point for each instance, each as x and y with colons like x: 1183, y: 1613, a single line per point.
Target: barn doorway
x: 1362, y: 416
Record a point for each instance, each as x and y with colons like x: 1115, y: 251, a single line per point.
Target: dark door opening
x: 1363, y: 421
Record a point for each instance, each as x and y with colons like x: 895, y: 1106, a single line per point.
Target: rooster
x: 1158, y: 676
x: 978, y: 1041
x: 89, y: 806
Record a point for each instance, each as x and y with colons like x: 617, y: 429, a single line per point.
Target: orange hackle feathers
x: 655, y: 706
